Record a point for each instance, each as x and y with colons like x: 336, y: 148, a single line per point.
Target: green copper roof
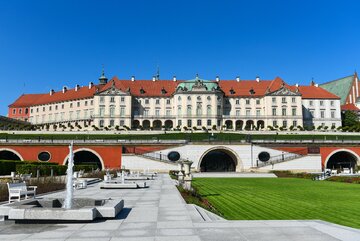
x: 189, y: 84
x: 339, y: 87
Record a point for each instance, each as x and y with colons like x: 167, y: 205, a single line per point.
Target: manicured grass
x: 227, y: 137
x: 282, y: 199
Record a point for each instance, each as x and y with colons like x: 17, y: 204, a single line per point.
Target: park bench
x: 19, y: 190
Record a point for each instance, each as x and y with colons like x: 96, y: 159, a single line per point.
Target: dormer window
x: 232, y: 91
x: 142, y: 91
x: 163, y: 91
x: 252, y: 91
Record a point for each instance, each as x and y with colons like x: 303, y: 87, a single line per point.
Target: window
x: 91, y: 102
x: 50, y: 108
x: 274, y: 111
x: 91, y: 113
x: 219, y: 99
x: 257, y: 101
x: 86, y: 103
x: 332, y: 114
x: 199, y: 98
x: 274, y: 123
x: 321, y: 102
x: 71, y: 105
x: 146, y: 101
x: 136, y: 111
x: 226, y: 111
x: 209, y: 98
x: 78, y: 104
x: 157, y: 112
x: 157, y: 101
x: 102, y: 99
x: 311, y: 103
x: 247, y: 112
x: 122, y: 99
x: 293, y: 100
x: 179, y: 123
x: 312, y: 113
x: 112, y: 99
x: 62, y: 115
x: 199, y: 123
x: 77, y: 114
x: 179, y: 98
x: 37, y: 110
x: 273, y: 100
x: 208, y: 110
x: 237, y: 112
x: 20, y: 111
x: 43, y: 108
x: 50, y: 117
x: 112, y: 111
x: 293, y: 111
x: 112, y: 122
x: 179, y: 110
x: 283, y: 112
x: 146, y: 112
x: 227, y: 101
x: 333, y: 125
x: 14, y: 111
x: 189, y: 123
x: 56, y: 116
x: 56, y: 107
x: 199, y: 110
x: 122, y: 122
x: 284, y: 123
x: 168, y: 112
x: 218, y: 109
x: 188, y: 110
x: 283, y: 100
x: 168, y: 101
x: 31, y: 111
x: 332, y: 103
x: 101, y: 123
x: 322, y: 114
x: 237, y: 101
x: 62, y: 106
x: 208, y: 122
x: 189, y: 98
x: 247, y: 101
x: 101, y: 111
x: 71, y: 115
x: 294, y: 123
x: 122, y: 111
x: 323, y: 124
x: 257, y: 112
x: 86, y: 114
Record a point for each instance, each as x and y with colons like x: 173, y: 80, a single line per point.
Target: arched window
x: 112, y: 111
x: 209, y: 98
x: 189, y: 97
x: 179, y: 98
x: 188, y: 110
x: 208, y: 110
x: 179, y: 110
x: 199, y: 97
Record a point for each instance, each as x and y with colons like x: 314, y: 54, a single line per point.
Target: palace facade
x: 158, y: 104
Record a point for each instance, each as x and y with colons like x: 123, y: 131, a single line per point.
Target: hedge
x: 8, y: 166
x: 85, y: 167
x: 45, y: 170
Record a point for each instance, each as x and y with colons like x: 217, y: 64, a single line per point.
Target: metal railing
x: 157, y: 156
x: 282, y: 158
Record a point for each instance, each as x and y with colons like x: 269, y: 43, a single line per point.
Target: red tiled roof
x: 351, y: 107
x: 26, y: 100
x: 313, y: 92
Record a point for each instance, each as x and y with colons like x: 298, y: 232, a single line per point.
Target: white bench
x: 18, y: 190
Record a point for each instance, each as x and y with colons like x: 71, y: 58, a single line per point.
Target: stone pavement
x: 159, y: 213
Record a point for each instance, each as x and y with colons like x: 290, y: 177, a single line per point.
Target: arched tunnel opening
x: 342, y: 159
x: 86, y: 158
x: 218, y: 161
x: 9, y: 155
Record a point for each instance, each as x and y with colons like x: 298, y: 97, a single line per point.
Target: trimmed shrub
x: 45, y: 170
x: 8, y: 166
x: 86, y: 167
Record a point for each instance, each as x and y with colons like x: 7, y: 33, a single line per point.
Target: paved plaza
x: 160, y: 213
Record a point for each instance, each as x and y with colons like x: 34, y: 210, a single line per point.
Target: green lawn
x: 282, y: 198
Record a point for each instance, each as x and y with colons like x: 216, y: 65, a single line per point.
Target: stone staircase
x: 288, y: 156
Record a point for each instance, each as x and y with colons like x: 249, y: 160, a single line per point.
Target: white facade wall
x: 321, y: 112
x: 309, y: 163
x: 137, y: 163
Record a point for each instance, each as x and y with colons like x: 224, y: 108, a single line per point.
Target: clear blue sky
x: 47, y: 44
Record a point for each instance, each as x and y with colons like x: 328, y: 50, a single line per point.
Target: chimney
x: 297, y: 85
x: 237, y: 79
x: 64, y: 89
x: 91, y: 84
x: 154, y: 78
x: 77, y: 87
x: 133, y: 78
x: 174, y: 78
x: 217, y: 78
x: 52, y: 92
x: 257, y: 79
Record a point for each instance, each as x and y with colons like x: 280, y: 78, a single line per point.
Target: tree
x: 350, y: 118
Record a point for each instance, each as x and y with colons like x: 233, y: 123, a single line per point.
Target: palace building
x: 158, y: 104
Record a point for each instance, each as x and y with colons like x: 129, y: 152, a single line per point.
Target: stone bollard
x: 188, y: 176
x: 180, y: 166
x: 180, y: 177
x: 187, y: 167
